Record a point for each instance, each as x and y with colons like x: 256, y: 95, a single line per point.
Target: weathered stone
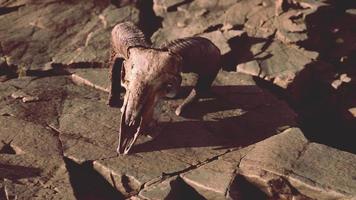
x: 213, y: 180
x: 25, y: 176
x: 291, y: 31
x: 88, y: 123
x: 183, y: 141
x: 289, y: 165
x: 279, y: 63
x: 352, y: 111
x: 129, y: 173
x: 193, y: 18
x: 220, y: 39
x: 50, y: 90
x: 35, y: 168
x: 60, y: 32
x: 161, y: 7
x: 29, y: 138
x: 158, y: 191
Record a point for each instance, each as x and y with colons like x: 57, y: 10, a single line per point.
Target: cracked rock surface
x: 45, y: 33
x: 187, y: 142
x: 250, y: 138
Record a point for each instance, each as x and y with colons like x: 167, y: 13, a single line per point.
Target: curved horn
x: 201, y: 56
x: 193, y: 50
x: 126, y: 35
x: 123, y: 36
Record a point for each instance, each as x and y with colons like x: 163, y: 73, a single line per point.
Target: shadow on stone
x: 14, y: 172
x: 181, y: 190
x: 322, y: 109
x: 6, y: 10
x: 88, y: 184
x: 149, y: 22
x: 7, y: 148
x: 241, y: 50
x: 241, y: 118
x: 241, y: 189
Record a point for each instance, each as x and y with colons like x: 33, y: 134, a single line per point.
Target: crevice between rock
x: 149, y: 22
x: 87, y: 183
x: 6, y: 10
x: 165, y: 176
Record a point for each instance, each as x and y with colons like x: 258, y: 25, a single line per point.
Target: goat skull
x: 148, y: 74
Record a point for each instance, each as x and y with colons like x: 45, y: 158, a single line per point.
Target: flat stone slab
x: 237, y: 114
x: 289, y: 165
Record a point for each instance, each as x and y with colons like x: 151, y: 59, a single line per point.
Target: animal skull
x: 148, y: 74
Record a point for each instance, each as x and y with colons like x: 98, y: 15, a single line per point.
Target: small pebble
x: 30, y: 99
x: 18, y: 94
x: 343, y: 58
x: 345, y: 78
x: 181, y: 24
x: 336, y: 84
x: 352, y: 111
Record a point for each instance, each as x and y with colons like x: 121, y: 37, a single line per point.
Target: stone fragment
x: 252, y: 68
x: 336, y: 83
x: 351, y: 11
x: 92, y: 77
x: 27, y: 99
x: 161, y: 7
x: 345, y: 78
x: 291, y: 27
x: 18, y: 94
x: 158, y: 191
x: 352, y: 111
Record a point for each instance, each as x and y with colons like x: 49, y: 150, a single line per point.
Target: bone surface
x: 149, y: 74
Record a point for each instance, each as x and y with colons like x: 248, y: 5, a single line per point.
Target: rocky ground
x: 278, y: 124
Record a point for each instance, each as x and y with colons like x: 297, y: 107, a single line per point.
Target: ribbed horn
x: 193, y: 50
x: 126, y: 35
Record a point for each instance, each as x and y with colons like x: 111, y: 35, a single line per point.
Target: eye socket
x: 168, y: 88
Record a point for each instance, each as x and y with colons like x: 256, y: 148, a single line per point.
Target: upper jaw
x: 135, y: 123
